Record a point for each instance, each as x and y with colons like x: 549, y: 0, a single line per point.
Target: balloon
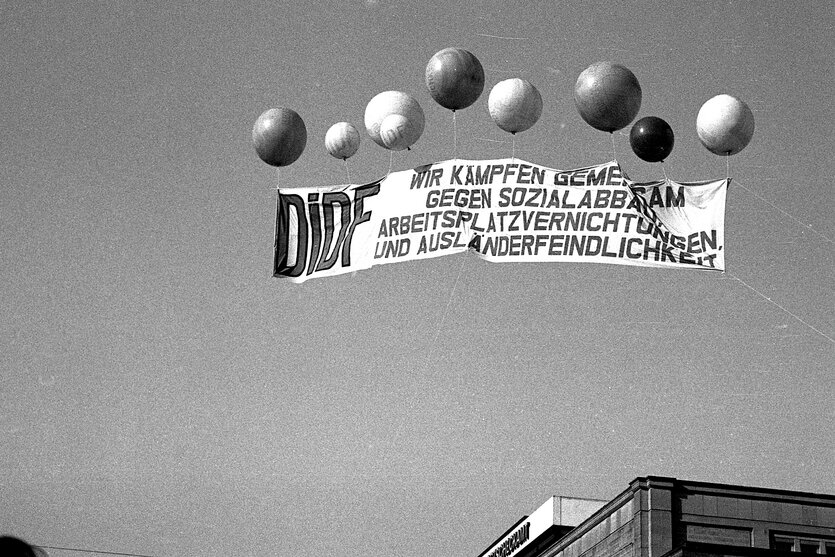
x: 515, y: 105
x: 392, y: 102
x: 455, y: 78
x: 279, y: 136
x: 342, y: 140
x: 725, y: 125
x: 651, y: 139
x: 607, y: 96
x: 398, y: 132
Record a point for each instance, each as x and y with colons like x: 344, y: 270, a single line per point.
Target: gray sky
x: 162, y: 394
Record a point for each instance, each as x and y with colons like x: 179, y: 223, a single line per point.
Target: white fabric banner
x: 502, y: 210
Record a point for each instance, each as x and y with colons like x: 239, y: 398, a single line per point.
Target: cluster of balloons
x: 724, y: 125
x: 606, y: 95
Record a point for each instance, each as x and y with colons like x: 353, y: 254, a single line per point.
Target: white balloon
x: 515, y: 105
x: 725, y: 125
x: 342, y: 140
x: 388, y: 103
x: 397, y: 132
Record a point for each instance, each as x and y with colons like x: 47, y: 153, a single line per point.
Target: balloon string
x: 666, y: 179
x: 772, y: 302
x: 277, y: 178
x: 454, y: 136
x: 513, y: 148
x: 614, y: 153
x: 446, y: 309
x: 347, y: 172
x: 391, y: 162
x: 277, y: 207
x: 728, y: 166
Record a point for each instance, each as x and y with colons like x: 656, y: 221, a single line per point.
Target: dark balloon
x: 279, y: 136
x: 651, y: 139
x: 15, y: 547
x: 607, y: 96
x: 455, y: 78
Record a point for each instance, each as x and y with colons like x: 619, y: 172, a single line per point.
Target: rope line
x: 807, y: 226
x: 94, y: 551
x: 798, y: 221
x: 775, y: 304
x: 505, y: 38
x: 446, y: 310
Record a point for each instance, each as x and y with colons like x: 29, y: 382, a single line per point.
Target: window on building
x: 809, y: 547
x: 782, y: 544
x: 803, y: 544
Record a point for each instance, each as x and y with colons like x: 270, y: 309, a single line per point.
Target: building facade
x: 667, y: 517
